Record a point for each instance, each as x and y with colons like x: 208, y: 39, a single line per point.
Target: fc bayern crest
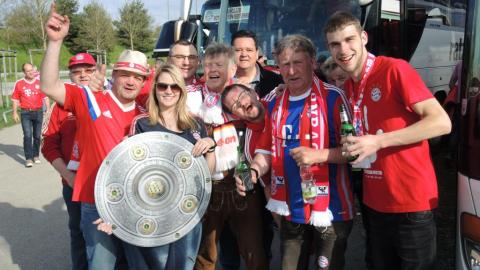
x: 376, y: 94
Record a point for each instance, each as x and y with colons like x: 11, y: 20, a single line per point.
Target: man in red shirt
x: 59, y: 143
x: 394, y: 114
x: 27, y: 95
x: 103, y: 121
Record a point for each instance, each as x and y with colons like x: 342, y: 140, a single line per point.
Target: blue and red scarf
x: 314, y: 134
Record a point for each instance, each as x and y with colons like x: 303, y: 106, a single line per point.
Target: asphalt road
x: 33, y: 217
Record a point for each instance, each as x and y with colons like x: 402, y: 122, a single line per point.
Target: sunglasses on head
x: 163, y: 86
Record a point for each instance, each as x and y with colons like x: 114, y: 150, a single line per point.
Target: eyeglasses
x: 87, y: 71
x: 180, y: 57
x: 236, y: 105
x: 163, y: 87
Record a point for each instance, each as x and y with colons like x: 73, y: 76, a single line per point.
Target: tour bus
x: 468, y: 199
x: 427, y: 33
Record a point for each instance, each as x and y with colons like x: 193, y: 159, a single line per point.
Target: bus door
x: 468, y: 198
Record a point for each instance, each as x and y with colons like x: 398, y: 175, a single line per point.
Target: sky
x: 160, y: 10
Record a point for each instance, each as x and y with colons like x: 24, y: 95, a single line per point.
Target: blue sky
x: 160, y: 10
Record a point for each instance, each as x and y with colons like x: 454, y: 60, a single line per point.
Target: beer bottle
x: 346, y: 128
x: 242, y: 170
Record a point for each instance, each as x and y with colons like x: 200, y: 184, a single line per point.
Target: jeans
x: 179, y: 255
x: 332, y: 244
x: 101, y: 248
x: 297, y: 240
x: 32, y: 131
x: 405, y: 241
x: 77, y: 244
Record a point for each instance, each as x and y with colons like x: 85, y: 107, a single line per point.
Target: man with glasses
x: 28, y: 96
x: 226, y: 207
x: 252, y: 74
x: 61, y: 148
x: 184, y: 55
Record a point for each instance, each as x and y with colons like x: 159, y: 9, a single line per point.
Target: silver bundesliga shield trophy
x: 152, y: 190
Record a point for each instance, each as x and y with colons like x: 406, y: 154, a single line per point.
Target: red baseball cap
x: 81, y: 58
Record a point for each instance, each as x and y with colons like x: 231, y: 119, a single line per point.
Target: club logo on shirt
x: 107, y: 114
x: 196, y: 135
x: 376, y: 94
x: 37, y: 86
x: 28, y: 92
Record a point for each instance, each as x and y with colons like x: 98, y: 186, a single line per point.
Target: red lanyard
x: 357, y: 112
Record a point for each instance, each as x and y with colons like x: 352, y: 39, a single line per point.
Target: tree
x: 70, y: 8
x: 25, y: 23
x: 134, y: 28
x: 95, y: 29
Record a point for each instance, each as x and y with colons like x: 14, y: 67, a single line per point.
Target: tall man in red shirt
x: 58, y: 145
x: 394, y: 115
x: 103, y: 120
x: 27, y: 95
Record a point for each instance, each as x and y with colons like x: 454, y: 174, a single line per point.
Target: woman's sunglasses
x: 163, y: 86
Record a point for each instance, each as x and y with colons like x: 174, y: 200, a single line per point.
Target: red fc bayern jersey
x: 401, y: 178
x: 28, y: 94
x: 102, y: 123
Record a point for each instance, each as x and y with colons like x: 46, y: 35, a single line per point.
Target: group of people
x: 285, y: 121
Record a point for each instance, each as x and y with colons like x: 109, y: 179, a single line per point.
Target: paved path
x: 33, y: 218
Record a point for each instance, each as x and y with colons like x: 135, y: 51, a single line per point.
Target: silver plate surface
x: 152, y: 189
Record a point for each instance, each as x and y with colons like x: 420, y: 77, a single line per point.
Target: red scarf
x: 313, y: 133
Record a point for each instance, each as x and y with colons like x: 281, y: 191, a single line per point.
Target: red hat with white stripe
x: 133, y: 61
x: 81, y: 59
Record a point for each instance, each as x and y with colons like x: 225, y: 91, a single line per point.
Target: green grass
x: 24, y: 57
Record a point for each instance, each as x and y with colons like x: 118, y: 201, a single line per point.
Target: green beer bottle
x: 346, y: 128
x: 242, y: 170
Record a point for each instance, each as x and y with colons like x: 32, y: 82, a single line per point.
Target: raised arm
x: 56, y: 29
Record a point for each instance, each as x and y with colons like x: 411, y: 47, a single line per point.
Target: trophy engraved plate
x: 152, y: 190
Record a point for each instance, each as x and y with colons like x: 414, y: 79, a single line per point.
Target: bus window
x: 434, y: 18
x: 390, y: 29
x: 273, y: 19
x: 470, y: 112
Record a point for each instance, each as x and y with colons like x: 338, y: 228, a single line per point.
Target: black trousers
x: 405, y: 241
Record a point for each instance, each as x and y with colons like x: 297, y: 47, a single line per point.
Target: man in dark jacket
x: 249, y: 72
x: 252, y: 74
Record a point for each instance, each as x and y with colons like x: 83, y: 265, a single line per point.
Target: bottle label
x: 309, y: 191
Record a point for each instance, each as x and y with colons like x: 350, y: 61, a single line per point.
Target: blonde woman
x: 167, y: 112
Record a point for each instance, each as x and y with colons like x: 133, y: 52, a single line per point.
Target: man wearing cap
x: 103, y: 120
x: 60, y: 147
x: 27, y: 95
